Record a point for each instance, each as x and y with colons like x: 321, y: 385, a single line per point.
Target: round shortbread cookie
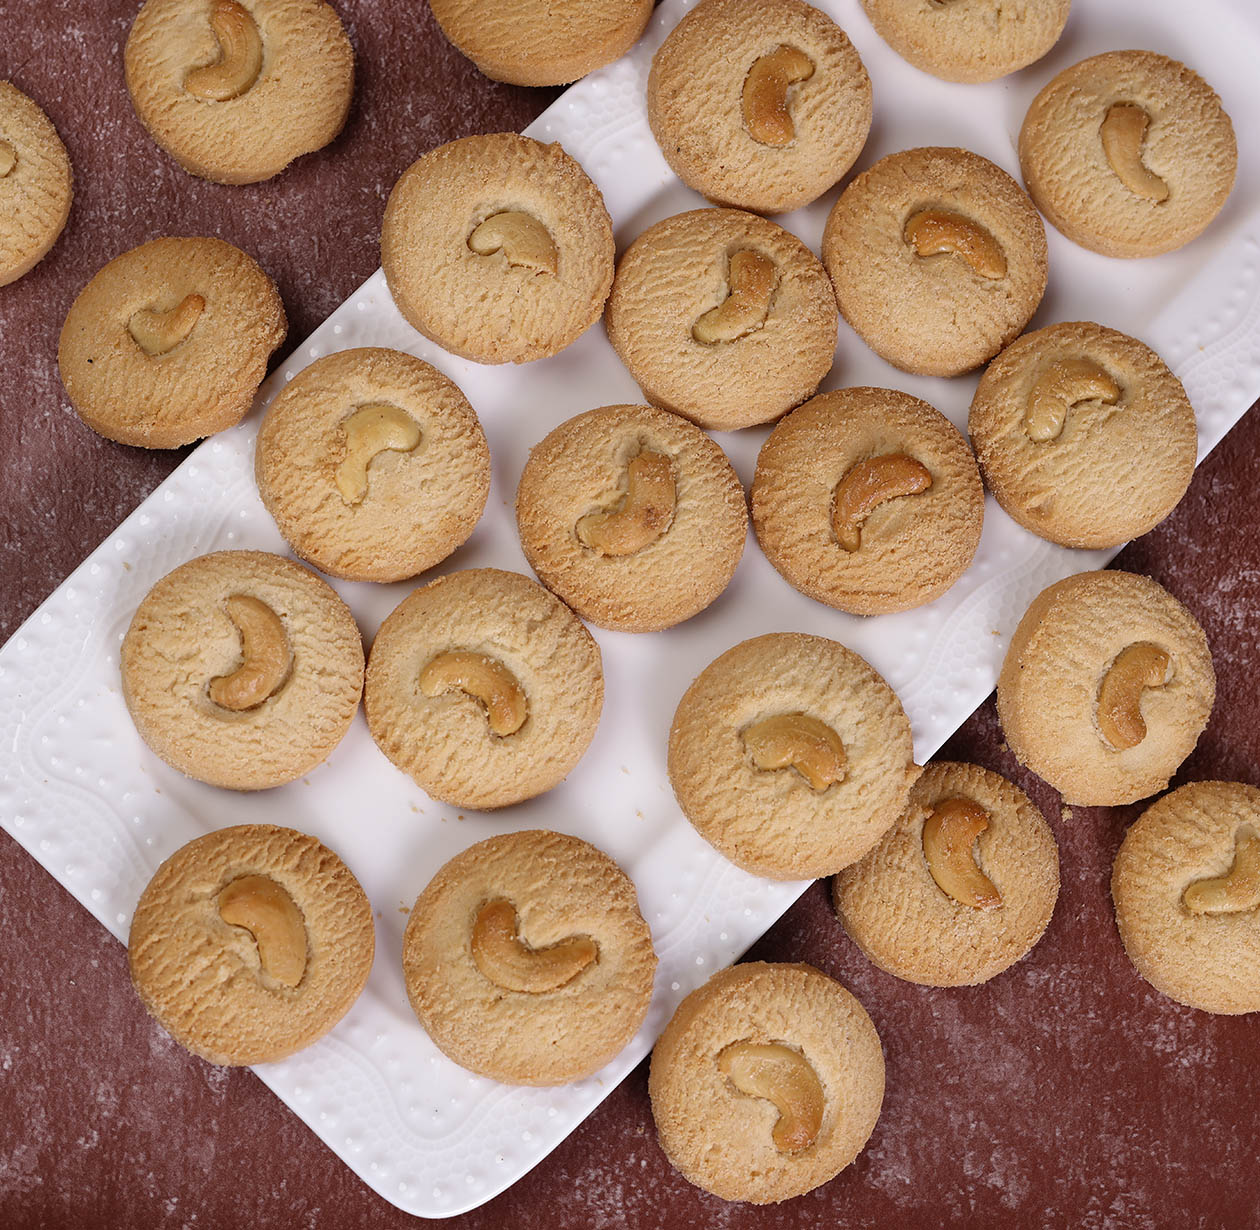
x: 750, y: 1033
x: 36, y: 184
x: 242, y: 669
x: 235, y: 91
x: 785, y: 700
x: 527, y: 960
x: 170, y: 341
x: 633, y: 516
x: 1128, y: 153
x: 1083, y: 434
x: 868, y: 500
x: 498, y: 248
x: 723, y: 317
x: 759, y: 104
x: 938, y: 259
x: 484, y: 687
x: 250, y: 943
x: 969, y: 40
x: 542, y: 42
x: 1186, y: 887
x: 960, y: 888
x: 373, y: 464
x: 1072, y: 699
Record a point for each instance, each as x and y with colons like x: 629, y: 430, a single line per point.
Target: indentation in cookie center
x: 509, y: 962
x: 867, y: 485
x: 750, y: 280
x: 158, y: 333
x: 936, y: 232
x: 266, y: 658
x: 1238, y: 890
x: 1061, y: 386
x: 783, y: 1076
x: 524, y: 241
x: 798, y: 741
x: 641, y: 516
x: 263, y: 908
x: 372, y: 429
x: 485, y: 679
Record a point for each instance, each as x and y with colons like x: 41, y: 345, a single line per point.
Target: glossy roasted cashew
x: 502, y: 956
x: 764, y: 100
x: 375, y: 428
x: 272, y: 917
x: 869, y: 484
x: 1135, y: 668
x: 522, y: 239
x: 240, y: 55
x: 1123, y: 133
x: 949, y: 833
x: 641, y: 516
x: 157, y: 333
x: 751, y: 282
x: 485, y: 679
x: 1238, y: 890
x: 1060, y: 387
x: 8, y: 158
x: 266, y: 658
x: 933, y: 231
x: 801, y: 742
x: 785, y: 1077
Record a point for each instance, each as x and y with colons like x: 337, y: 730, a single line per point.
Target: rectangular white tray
x: 81, y: 792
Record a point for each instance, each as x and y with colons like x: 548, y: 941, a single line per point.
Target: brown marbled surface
x: 1064, y: 1093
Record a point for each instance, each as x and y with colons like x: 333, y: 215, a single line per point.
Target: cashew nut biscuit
x: 938, y: 259
x: 769, y: 332
x: 1128, y: 153
x: 373, y: 464
x: 1083, y: 435
x: 895, y: 545
x: 235, y: 90
x: 36, y: 184
x: 906, y: 904
x: 554, y: 992
x: 476, y: 650
x: 242, y: 669
x: 759, y: 104
x: 170, y: 341
x: 250, y: 943
x: 498, y: 248
x: 1186, y: 887
x: 542, y: 42
x: 802, y: 1107
x: 969, y: 40
x: 1066, y: 684
x: 773, y: 699
x: 621, y: 552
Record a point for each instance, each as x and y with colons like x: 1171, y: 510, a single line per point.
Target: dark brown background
x: 1065, y: 1093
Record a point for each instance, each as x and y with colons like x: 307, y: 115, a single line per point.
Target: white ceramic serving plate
x: 84, y: 795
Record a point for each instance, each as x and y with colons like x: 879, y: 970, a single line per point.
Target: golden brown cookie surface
x: 498, y: 248
x: 868, y: 500
x: 969, y: 40
x: 1083, y: 434
x: 170, y: 341
x: 759, y: 104
x: 1128, y: 153
x: 234, y: 90
x: 961, y: 887
x: 767, y: 1082
x: 1186, y: 888
x: 541, y: 42
x: 633, y: 516
x: 242, y: 669
x: 938, y: 259
x: 527, y: 960
x: 791, y: 755
x: 250, y: 943
x: 1106, y: 687
x: 484, y: 687
x: 36, y: 184
x: 373, y: 464
x: 723, y: 317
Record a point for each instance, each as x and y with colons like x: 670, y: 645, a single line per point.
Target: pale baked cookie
x: 960, y: 888
x: 969, y: 40
x: 250, y: 943
x: 938, y: 259
x: 36, y: 184
x: 868, y: 500
x: 767, y: 1082
x: 1128, y: 153
x: 760, y: 104
x: 170, y: 341
x: 235, y: 91
x: 527, y: 960
x: 242, y: 669
x: 1083, y: 434
x: 723, y: 317
x: 484, y: 687
x: 633, y: 516
x: 791, y: 756
x: 498, y: 248
x: 1106, y: 687
x: 373, y: 464
x: 1187, y: 891
x: 542, y: 42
